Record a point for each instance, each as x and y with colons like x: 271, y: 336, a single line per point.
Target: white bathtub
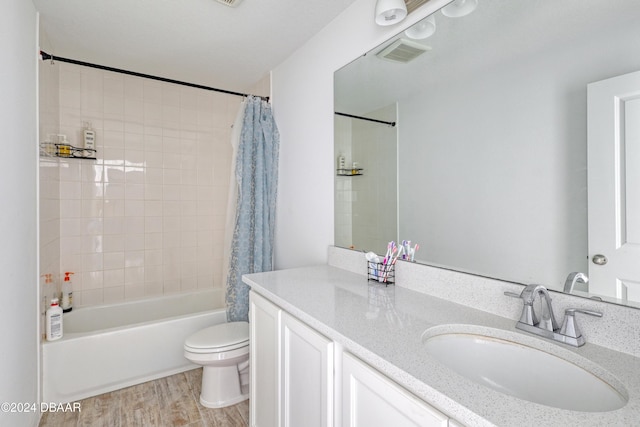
x: 105, y: 348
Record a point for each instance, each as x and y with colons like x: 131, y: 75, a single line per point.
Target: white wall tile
x: 114, y: 277
x: 113, y: 243
x: 113, y: 207
x: 135, y: 242
x: 132, y: 292
x: 113, y: 191
x: 91, y: 297
x: 133, y: 141
x: 92, y: 190
x: 134, y: 192
x: 113, y: 226
x: 153, y: 257
x: 133, y: 275
x: 139, y: 220
x: 92, y: 261
x: 70, y: 190
x: 92, y: 243
x: 133, y: 259
x: 134, y: 208
x: 113, y: 294
x: 71, y: 209
x: 153, y: 274
x: 113, y: 261
x: 153, y: 288
x: 92, y: 280
x: 152, y: 142
x: 92, y: 172
x: 152, y: 241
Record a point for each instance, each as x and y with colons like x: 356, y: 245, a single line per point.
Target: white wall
x: 302, y: 89
x: 18, y: 216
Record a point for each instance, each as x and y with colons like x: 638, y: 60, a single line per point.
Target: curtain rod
x: 46, y: 56
x: 392, y: 124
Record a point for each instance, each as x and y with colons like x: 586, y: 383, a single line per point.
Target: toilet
x: 223, y: 352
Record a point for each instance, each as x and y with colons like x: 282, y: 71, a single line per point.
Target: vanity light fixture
x: 389, y: 12
x: 459, y: 8
x: 423, y: 29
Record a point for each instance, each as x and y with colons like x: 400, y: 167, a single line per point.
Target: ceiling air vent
x: 414, y: 4
x: 232, y: 3
x: 402, y: 50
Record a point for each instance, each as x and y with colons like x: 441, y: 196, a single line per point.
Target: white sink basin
x: 524, y: 372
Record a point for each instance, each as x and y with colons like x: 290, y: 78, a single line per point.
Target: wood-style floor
x: 166, y: 402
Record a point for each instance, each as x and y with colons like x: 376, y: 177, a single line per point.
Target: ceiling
x: 197, y: 41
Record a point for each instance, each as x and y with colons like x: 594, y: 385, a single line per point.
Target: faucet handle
x: 569, y: 326
x: 528, y: 316
x: 512, y: 294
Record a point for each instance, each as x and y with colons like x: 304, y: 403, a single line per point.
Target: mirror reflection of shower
x: 366, y: 207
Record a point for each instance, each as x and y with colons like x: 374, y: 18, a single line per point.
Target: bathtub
x: 108, y: 347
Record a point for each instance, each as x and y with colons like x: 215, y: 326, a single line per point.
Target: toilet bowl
x: 223, y: 352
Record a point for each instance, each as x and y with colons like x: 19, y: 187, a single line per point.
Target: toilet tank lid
x: 222, y: 335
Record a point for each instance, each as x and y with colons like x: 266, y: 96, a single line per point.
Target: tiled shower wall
x: 366, y: 206
x: 343, y: 208
x: 147, y: 217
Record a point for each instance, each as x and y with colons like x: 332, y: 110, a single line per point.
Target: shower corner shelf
x: 66, y: 151
x: 350, y: 172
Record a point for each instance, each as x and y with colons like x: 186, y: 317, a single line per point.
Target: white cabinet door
x: 307, y: 375
x: 264, y: 362
x: 614, y: 186
x: 369, y: 399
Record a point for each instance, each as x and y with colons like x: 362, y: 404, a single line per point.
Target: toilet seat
x: 219, y: 338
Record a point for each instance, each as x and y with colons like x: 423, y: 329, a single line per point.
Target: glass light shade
x: 423, y: 29
x: 459, y: 8
x: 389, y: 12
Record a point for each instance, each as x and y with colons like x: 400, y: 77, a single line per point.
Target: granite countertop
x: 384, y: 326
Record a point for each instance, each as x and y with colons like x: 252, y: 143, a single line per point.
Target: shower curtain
x: 256, y: 176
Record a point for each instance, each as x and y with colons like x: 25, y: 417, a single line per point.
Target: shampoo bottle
x: 67, y: 293
x: 89, y: 136
x: 54, y: 321
x: 341, y: 162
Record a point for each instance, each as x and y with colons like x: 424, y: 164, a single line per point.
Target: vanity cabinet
x: 369, y: 399
x: 291, y: 370
x: 264, y: 353
x: 295, y: 382
x: 307, y: 375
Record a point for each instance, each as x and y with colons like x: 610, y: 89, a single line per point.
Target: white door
x: 307, y: 376
x: 614, y: 187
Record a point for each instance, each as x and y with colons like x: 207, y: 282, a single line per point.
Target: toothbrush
x: 401, y: 251
x: 413, y: 252
x: 392, y: 262
x: 386, y: 256
x: 387, y: 266
x: 407, y: 248
x: 391, y: 246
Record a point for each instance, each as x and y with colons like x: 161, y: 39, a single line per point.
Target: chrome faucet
x: 572, y: 279
x: 547, y: 326
x: 547, y: 320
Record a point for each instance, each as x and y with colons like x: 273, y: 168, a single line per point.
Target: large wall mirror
x: 487, y: 164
